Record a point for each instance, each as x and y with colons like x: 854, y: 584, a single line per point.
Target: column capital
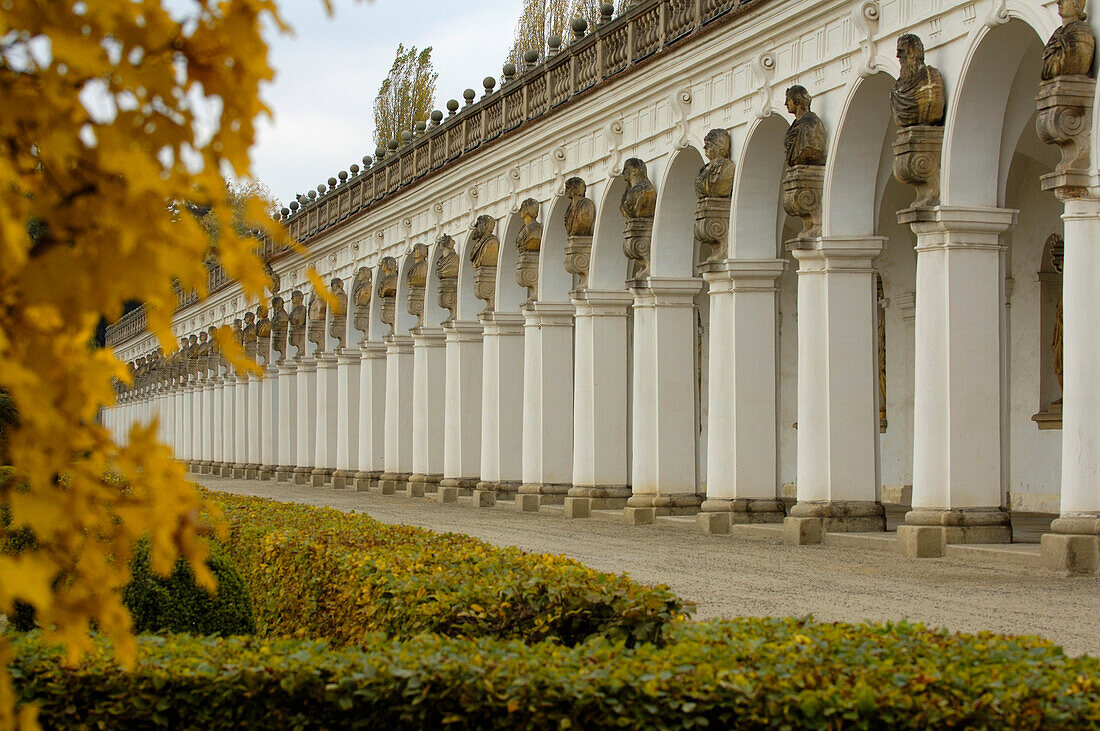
x: 665, y: 291
x: 833, y: 253
x: 326, y: 360
x: 426, y: 336
x: 1077, y: 209
x: 539, y: 314
x: 462, y: 330
x: 306, y: 363
x: 501, y: 323
x: 959, y: 226
x: 601, y: 302
x: 372, y: 348
x: 346, y: 356
x: 399, y: 343
x: 749, y: 275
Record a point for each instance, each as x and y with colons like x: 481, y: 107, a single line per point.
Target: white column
x: 207, y: 423
x: 347, y: 417
x: 429, y: 407
x: 1080, y: 498
x: 324, y: 460
x: 371, y: 414
x: 240, y: 426
x: 957, y: 361
x: 742, y: 439
x: 307, y: 420
x: 255, y: 426
x: 601, y: 449
x: 462, y: 418
x: 168, y: 402
x: 217, y: 412
x: 399, y: 412
x: 664, y: 419
x: 196, y: 420
x: 229, y: 421
x: 501, y: 403
x: 180, y: 409
x: 838, y: 423
x: 186, y: 451
x: 287, y: 446
x: 269, y: 418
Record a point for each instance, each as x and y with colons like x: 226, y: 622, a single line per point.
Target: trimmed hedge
x: 319, y: 573
x: 178, y: 604
x: 748, y: 673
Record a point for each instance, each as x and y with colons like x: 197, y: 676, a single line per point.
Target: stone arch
x: 861, y: 144
x: 468, y: 305
x: 378, y: 329
x: 510, y: 296
x: 755, y: 208
x: 555, y: 282
x: 672, y: 251
x: 992, y: 108
x: 434, y: 315
x: 403, y: 321
x: 608, y: 266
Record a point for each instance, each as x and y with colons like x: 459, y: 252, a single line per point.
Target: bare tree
x: 541, y: 19
x: 406, y: 95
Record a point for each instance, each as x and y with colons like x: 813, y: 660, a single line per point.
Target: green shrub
x: 748, y: 673
x: 178, y: 604
x: 317, y: 572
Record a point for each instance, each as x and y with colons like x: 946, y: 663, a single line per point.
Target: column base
x: 599, y: 497
x: 240, y: 471
x: 666, y: 504
x: 193, y: 466
x: 302, y: 475
x: 527, y: 502
x: 342, y: 479
x: 465, y: 486
x: 920, y: 541
x: 803, y: 531
x: 420, y: 484
x: 1073, y: 549
x: 364, y: 481
x: 390, y: 482
x: 319, y: 476
x: 504, y: 490
x: 284, y: 473
x: 549, y: 493
x: 267, y: 472
x: 485, y: 498
x: 1087, y: 524
x: 966, y: 525
x: 205, y: 467
x: 740, y: 511
x: 843, y: 516
x: 446, y: 494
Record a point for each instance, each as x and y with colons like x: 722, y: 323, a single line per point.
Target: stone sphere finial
x: 452, y: 106
x: 437, y: 117
x: 421, y: 126
x: 469, y: 95
x: 312, y: 195
x: 294, y: 205
x: 606, y: 11
x: 554, y: 42
x: 488, y: 82
x: 380, y: 152
x: 321, y: 188
x: 406, y: 136
x: 332, y: 181
x: 285, y: 211
x: 580, y: 27
x: 343, y: 174
x: 531, y: 58
x: 391, y: 145
x: 509, y: 72
x: 354, y: 168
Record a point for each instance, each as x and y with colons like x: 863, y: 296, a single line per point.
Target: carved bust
x: 298, y: 322
x: 387, y: 277
x: 805, y: 140
x: 529, y: 237
x: 640, y: 198
x: 486, y: 245
x: 580, y: 215
x: 1071, y: 47
x: 918, y: 94
x: 715, y: 179
x: 338, y: 322
x: 263, y: 324
x: 417, y: 275
x: 317, y: 311
x: 238, y: 331
x: 360, y: 288
x: 446, y: 264
x: 280, y: 321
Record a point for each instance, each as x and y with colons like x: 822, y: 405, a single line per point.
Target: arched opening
x: 555, y: 282
x: 510, y: 296
x: 468, y: 305
x: 608, y: 266
x: 403, y: 320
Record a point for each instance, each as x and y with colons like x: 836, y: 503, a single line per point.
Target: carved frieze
x: 713, y: 188
x: 638, y: 205
x: 528, y: 245
x: 804, y: 177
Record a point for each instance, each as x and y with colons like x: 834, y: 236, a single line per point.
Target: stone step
x: 614, y: 516
x: 877, y: 541
x: 558, y: 510
x: 758, y: 531
x: 682, y: 522
x: 999, y: 554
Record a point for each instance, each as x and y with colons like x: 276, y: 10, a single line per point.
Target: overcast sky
x: 329, y: 71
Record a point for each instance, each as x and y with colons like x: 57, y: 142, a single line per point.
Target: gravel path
x: 728, y: 576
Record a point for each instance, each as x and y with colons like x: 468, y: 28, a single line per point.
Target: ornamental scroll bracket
x: 614, y: 134
x: 764, y: 70
x: 681, y: 100
x: 866, y: 18
x: 557, y: 161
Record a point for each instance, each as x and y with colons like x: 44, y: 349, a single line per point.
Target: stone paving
x: 734, y: 575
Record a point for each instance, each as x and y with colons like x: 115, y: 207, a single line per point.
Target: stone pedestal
x: 664, y: 420
x: 428, y: 408
x: 838, y: 418
x: 547, y: 401
x: 371, y: 414
x: 712, y: 223
x: 600, y: 393
x: 485, y: 285
x: 527, y: 272
x: 637, y: 238
x: 802, y: 188
x: 399, y: 413
x: 287, y: 440
x: 501, y: 402
x: 1064, y: 119
x: 307, y: 420
x: 917, y: 152
x: 462, y: 412
x: 957, y: 361
x: 578, y: 255
x: 347, y: 418
x: 742, y: 441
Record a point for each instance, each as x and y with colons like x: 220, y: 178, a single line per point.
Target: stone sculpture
x: 638, y: 205
x: 1057, y: 260
x: 317, y: 311
x: 804, y: 176
x: 446, y: 270
x: 417, y: 279
x: 248, y: 335
x: 298, y: 323
x: 484, y: 254
x: 528, y: 245
x: 580, y: 221
x: 713, y: 188
x: 280, y: 322
x: 917, y: 101
x: 337, y: 328
x: 360, y: 298
x: 263, y: 334
x: 1065, y: 99
x: 387, y: 289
